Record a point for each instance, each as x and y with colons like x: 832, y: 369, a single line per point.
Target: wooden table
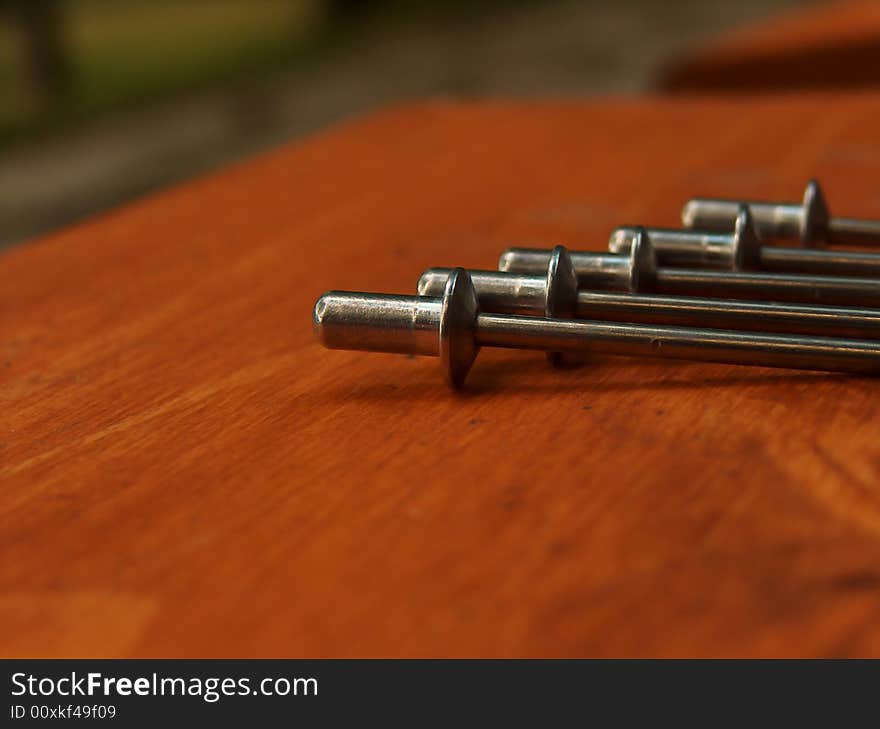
x: 185, y: 472
x: 832, y: 45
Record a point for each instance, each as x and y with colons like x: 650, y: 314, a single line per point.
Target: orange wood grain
x: 185, y: 472
x: 830, y: 45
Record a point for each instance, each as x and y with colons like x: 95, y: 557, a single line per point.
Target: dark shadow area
x: 534, y: 375
x: 850, y: 66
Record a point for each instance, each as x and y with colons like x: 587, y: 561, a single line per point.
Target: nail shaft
x: 789, y: 287
x: 707, y: 345
x: 819, y: 262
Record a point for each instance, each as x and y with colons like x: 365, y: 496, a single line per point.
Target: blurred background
x: 104, y: 100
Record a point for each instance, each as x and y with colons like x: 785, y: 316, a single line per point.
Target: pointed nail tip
x: 505, y: 261
x: 422, y: 285
x: 318, y: 315
x: 321, y: 306
x: 432, y: 282
x: 621, y: 239
x: 689, y: 214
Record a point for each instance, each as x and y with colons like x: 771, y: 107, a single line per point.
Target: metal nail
x: 638, y: 269
x: 453, y: 328
x: 808, y: 221
x: 734, y: 251
x: 742, y: 251
x: 551, y: 295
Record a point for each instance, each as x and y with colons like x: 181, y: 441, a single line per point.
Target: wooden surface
x: 833, y: 45
x: 185, y: 472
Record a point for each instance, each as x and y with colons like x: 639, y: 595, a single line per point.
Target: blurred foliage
x: 122, y: 51
x: 119, y: 52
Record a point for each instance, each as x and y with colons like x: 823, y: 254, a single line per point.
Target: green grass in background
x: 125, y: 51
x: 133, y: 51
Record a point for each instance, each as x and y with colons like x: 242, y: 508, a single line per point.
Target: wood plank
x: 834, y: 45
x: 185, y: 472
